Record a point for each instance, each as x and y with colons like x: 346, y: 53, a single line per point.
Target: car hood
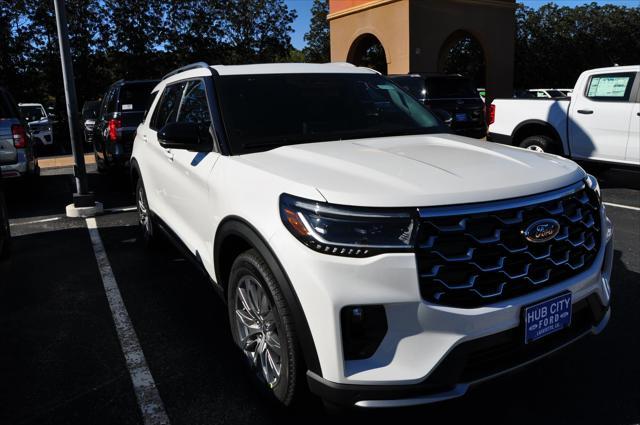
x: 425, y: 170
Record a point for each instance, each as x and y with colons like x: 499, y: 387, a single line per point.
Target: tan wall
x: 388, y: 22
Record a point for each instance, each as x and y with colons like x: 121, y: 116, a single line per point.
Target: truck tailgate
x: 510, y: 113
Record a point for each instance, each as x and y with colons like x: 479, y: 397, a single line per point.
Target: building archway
x: 462, y: 53
x: 368, y: 51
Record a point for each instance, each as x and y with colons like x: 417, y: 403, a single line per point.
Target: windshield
x: 450, y: 88
x: 133, y: 96
x: 266, y: 111
x: 32, y: 113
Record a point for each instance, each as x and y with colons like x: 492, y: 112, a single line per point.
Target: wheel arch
x: 234, y: 236
x: 134, y: 173
x: 533, y: 128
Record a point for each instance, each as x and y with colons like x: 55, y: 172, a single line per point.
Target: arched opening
x: 367, y: 51
x: 463, y: 54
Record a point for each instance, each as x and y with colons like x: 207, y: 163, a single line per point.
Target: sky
x: 303, y: 7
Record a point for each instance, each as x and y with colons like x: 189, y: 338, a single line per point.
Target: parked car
x: 5, y: 231
x: 547, y: 93
x: 90, y: 111
x: 38, y: 120
x: 452, y: 93
x: 600, y: 122
x: 17, y: 157
x: 121, y: 110
x: 360, y: 248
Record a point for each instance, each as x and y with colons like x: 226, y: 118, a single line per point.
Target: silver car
x: 17, y: 158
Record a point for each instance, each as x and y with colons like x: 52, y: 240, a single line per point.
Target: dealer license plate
x: 547, y: 317
x: 461, y: 117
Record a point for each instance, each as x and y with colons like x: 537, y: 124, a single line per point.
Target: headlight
x: 592, y: 183
x: 347, y: 231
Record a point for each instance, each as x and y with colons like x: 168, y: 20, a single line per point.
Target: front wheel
x: 262, y: 327
x: 145, y: 222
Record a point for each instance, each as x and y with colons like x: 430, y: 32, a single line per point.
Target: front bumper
x: 413, y: 363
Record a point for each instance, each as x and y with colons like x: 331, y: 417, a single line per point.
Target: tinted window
x: 266, y: 111
x: 134, y: 96
x: 167, y: 109
x: 555, y: 93
x: 413, y: 85
x: 450, y: 88
x: 193, y: 107
x: 8, y: 107
x: 32, y: 113
x: 89, y: 108
x: 611, y: 87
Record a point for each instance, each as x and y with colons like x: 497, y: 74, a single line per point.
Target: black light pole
x: 82, y: 198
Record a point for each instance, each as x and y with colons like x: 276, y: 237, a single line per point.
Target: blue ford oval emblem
x: 542, y: 230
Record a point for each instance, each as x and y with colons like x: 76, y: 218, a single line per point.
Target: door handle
x: 168, y: 154
x: 585, y: 111
x: 638, y: 114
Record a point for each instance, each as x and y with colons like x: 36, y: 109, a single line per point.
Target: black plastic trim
x: 503, y: 139
x: 237, y: 226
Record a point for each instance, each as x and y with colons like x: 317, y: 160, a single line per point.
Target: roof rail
x: 186, y: 68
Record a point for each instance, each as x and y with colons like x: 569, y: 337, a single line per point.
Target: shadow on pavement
x: 50, y: 193
x: 60, y: 360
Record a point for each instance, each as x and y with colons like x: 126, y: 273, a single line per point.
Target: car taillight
x: 19, y: 136
x: 114, y: 125
x: 492, y: 114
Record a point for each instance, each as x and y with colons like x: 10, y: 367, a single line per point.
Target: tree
x: 194, y: 31
x: 317, y: 38
x: 257, y: 30
x: 134, y: 35
x: 555, y: 44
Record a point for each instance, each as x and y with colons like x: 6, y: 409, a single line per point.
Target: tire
x: 145, y: 218
x: 249, y: 276
x: 540, y: 144
x: 102, y: 168
x: 5, y: 231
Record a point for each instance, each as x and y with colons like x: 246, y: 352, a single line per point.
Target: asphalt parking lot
x: 61, y: 361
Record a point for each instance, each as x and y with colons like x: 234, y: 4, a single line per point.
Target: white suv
x: 358, y: 245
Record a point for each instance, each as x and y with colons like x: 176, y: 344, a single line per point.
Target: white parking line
x: 149, y: 401
x: 119, y: 210
x: 44, y: 220
x: 627, y: 207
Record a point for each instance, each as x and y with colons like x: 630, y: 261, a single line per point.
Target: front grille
x: 477, y: 255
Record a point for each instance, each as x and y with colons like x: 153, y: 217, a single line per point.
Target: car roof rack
x: 186, y: 68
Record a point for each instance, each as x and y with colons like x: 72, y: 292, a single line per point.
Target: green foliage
x: 317, y: 38
x: 133, y: 39
x: 555, y: 44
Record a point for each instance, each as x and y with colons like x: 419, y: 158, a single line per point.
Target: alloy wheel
x: 257, y: 332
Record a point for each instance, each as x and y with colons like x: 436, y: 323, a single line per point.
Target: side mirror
x: 184, y: 135
x: 444, y: 116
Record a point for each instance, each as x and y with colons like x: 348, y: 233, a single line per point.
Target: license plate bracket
x: 547, y: 317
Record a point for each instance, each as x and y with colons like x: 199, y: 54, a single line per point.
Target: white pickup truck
x: 600, y: 122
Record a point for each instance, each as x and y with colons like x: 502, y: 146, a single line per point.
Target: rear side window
x: 167, y: 109
x: 611, y: 87
x: 134, y: 97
